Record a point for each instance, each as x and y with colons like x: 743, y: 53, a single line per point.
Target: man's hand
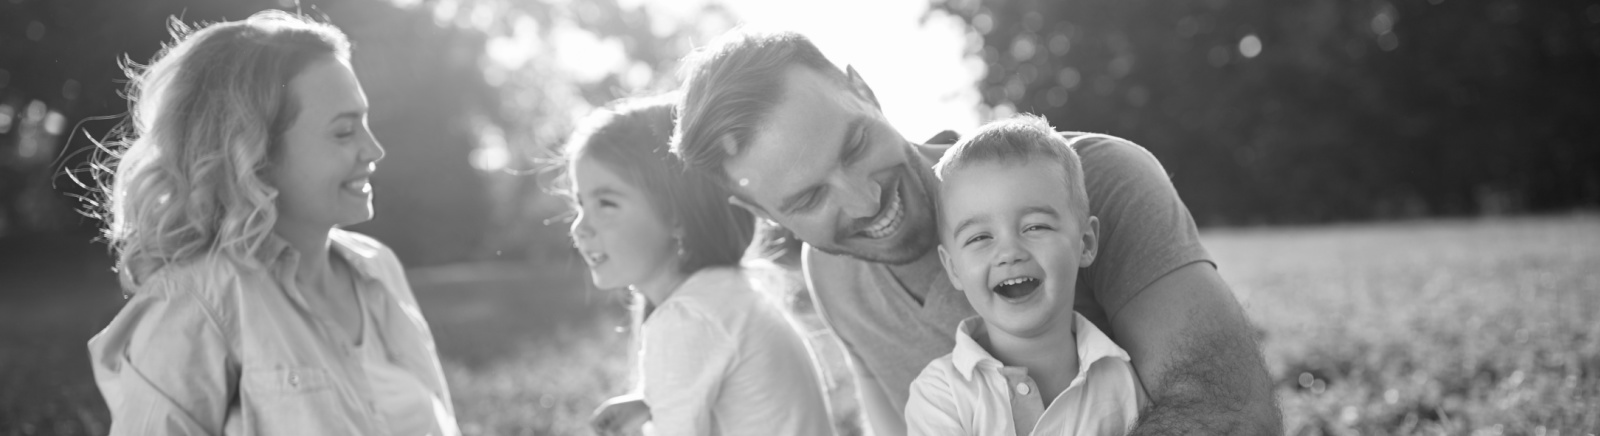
x: 1197, y: 357
x: 620, y: 415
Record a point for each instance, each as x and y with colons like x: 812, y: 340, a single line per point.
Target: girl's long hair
x: 205, y: 119
x: 632, y: 137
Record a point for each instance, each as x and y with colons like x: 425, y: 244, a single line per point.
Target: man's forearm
x: 1216, y: 384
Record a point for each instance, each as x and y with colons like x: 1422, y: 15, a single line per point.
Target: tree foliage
x: 1315, y: 110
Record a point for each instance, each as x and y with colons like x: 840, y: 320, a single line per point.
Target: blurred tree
x: 1315, y: 110
x: 465, y: 93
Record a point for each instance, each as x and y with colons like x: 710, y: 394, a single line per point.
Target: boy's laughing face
x: 1013, y: 245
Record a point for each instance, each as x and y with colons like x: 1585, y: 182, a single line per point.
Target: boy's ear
x: 859, y: 86
x: 1091, y: 242
x: 754, y: 209
x: 949, y: 270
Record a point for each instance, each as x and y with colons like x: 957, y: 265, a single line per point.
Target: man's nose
x: 860, y: 196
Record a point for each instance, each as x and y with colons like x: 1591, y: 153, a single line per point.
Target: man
x: 805, y: 145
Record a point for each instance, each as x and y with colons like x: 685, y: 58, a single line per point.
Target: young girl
x: 249, y: 311
x: 715, y: 358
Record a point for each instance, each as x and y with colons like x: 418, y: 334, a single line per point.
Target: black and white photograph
x: 819, y: 217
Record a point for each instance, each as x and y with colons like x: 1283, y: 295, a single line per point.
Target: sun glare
x: 918, y: 69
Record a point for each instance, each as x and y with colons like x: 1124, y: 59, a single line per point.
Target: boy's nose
x: 1009, y: 254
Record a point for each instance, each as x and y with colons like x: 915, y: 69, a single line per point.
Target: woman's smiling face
x: 622, y: 236
x: 327, y: 156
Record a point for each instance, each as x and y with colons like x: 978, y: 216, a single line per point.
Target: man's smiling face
x: 826, y: 165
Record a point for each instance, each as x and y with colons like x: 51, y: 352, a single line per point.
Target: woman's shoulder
x: 367, y: 252
x: 213, y: 281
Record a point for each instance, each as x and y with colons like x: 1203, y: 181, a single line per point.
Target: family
x: 1016, y: 281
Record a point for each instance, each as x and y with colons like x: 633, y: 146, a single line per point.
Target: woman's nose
x: 373, y: 152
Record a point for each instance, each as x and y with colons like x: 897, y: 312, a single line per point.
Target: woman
x: 716, y: 357
x: 249, y: 311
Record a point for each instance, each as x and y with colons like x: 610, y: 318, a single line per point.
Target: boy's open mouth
x: 1016, y: 288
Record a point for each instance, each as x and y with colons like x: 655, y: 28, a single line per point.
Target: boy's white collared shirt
x: 969, y: 392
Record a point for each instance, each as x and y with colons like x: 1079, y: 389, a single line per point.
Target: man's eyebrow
x: 850, y: 145
x: 793, y: 201
x: 849, y: 150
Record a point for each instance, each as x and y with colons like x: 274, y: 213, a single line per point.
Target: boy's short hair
x: 1019, y: 140
x: 730, y: 88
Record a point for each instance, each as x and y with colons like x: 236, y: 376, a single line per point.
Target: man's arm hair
x: 1195, y: 351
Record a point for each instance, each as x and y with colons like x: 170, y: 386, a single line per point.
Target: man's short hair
x: 731, y: 87
x: 1019, y: 140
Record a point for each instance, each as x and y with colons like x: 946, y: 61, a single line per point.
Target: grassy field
x: 1433, y: 327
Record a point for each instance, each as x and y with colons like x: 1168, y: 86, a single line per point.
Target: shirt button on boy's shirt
x: 1022, y: 388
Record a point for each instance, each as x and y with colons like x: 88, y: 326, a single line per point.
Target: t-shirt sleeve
x: 685, y: 359
x: 1145, y: 229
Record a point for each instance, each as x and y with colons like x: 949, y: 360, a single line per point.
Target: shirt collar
x: 359, y: 252
x: 968, y: 353
x: 1093, y: 346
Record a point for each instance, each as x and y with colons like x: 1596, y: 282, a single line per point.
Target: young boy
x: 1014, y: 231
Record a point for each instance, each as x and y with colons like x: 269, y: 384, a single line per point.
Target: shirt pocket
x: 296, y: 400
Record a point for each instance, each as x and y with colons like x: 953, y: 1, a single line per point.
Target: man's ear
x: 859, y: 86
x: 949, y: 270
x: 1091, y: 242
x: 754, y: 209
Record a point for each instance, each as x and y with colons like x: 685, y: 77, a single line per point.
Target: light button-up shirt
x: 222, y: 346
x: 969, y: 392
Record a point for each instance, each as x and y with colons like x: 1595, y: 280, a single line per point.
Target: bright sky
x: 918, y: 70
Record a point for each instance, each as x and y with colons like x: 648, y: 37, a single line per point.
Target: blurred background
x: 1402, y: 193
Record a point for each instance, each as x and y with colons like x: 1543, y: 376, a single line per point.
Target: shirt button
x: 1022, y: 388
x: 294, y: 380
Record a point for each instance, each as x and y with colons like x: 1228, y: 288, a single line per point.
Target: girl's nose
x: 580, y: 228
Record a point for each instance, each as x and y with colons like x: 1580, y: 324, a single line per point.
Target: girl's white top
x: 719, y: 358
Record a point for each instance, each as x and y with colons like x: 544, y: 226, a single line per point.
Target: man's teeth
x: 888, y: 219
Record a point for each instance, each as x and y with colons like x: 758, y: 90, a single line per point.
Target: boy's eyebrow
x: 1046, y: 210
x: 964, y: 224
